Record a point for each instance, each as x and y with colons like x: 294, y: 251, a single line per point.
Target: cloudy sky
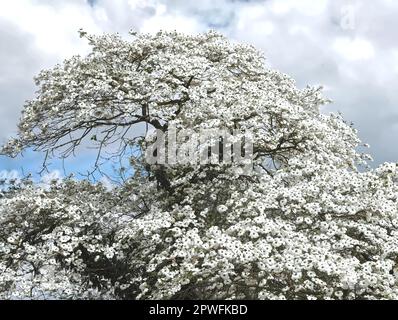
x: 348, y: 46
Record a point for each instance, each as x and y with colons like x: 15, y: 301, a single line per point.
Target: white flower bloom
x: 303, y: 221
x: 222, y: 208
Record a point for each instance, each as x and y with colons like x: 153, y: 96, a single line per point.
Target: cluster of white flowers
x: 56, y: 242
x: 306, y: 223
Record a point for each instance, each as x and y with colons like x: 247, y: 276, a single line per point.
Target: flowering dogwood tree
x: 303, y: 223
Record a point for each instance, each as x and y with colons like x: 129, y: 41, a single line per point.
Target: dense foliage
x: 304, y: 223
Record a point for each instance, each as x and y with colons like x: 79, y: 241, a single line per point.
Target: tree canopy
x: 302, y: 223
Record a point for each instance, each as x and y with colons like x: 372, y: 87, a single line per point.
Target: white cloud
x: 169, y: 22
x: 395, y: 60
x: 53, y: 27
x: 307, y: 7
x: 354, y: 49
x: 299, y: 29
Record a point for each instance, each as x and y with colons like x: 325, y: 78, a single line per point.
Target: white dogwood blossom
x: 309, y: 221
